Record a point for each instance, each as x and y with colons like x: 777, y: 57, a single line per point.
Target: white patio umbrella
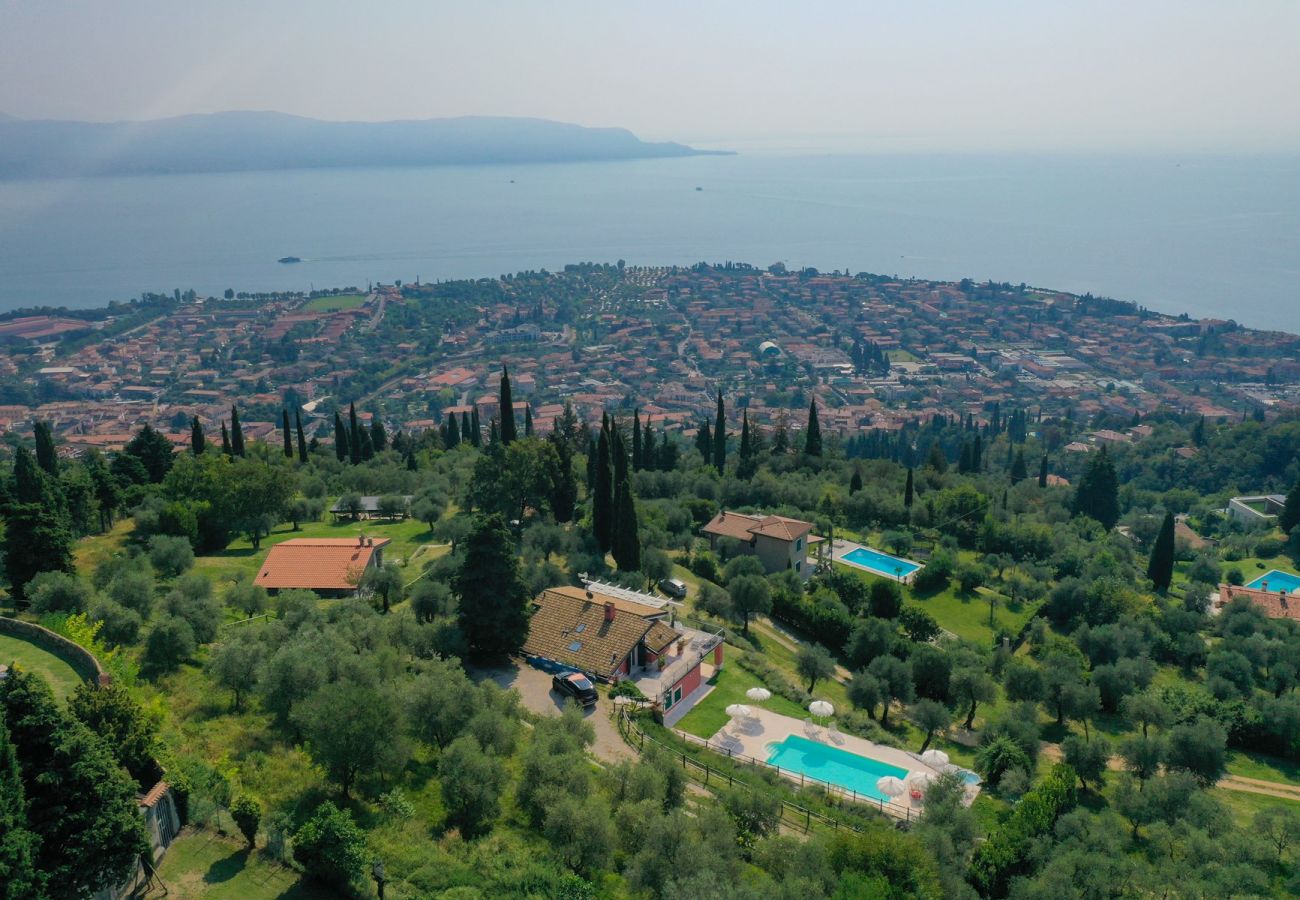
x: 891, y: 786
x: 920, y: 780
x: 935, y: 759
x: 739, y: 711
x: 821, y: 709
x: 758, y: 694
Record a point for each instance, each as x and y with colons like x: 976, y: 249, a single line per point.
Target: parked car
x: 575, y: 685
x: 673, y: 587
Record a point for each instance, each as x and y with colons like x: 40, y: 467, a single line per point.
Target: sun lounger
x: 834, y: 733
x: 810, y: 729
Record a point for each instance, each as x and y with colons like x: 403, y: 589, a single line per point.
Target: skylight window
x: 580, y: 628
x: 576, y: 646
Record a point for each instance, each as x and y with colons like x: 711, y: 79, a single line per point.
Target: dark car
x: 575, y: 685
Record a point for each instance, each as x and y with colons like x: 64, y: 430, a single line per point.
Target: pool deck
x: 1278, y: 580
x: 841, y: 548
x: 751, y: 737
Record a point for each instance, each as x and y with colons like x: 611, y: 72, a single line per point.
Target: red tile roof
x: 742, y: 527
x: 333, y: 564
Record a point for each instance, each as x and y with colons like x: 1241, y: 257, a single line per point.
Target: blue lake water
x: 833, y: 765
x: 1206, y: 236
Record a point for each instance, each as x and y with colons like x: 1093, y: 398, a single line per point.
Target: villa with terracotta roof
x: 778, y: 542
x: 612, y: 633
x: 332, y: 567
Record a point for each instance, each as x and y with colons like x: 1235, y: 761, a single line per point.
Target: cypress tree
x: 494, y: 433
x: 602, y: 498
x: 493, y: 597
x: 378, y: 434
x: 341, y: 448
x: 636, y: 440
x: 1290, y: 515
x: 453, y: 432
x: 720, y: 438
x: 855, y: 483
x: 812, y: 444
x: 1042, y: 472
x: 46, y: 456
x: 411, y: 464
x: 288, y: 435
x: 354, y: 435
x: 1097, y: 495
x: 964, y: 461
x: 1160, y: 569
x: 977, y: 455
x: 1019, y: 472
x: 17, y: 843
x: 302, y: 440
x: 648, y: 458
x: 367, y: 445
x: 475, y: 429
x: 704, y: 443
x: 907, y: 491
x: 564, y: 488
x: 236, y: 433
x: 748, y: 464
x: 507, y: 405
x: 591, y: 467
x: 225, y: 440
x: 198, y: 443
x: 36, y: 538
x: 626, y: 541
x: 528, y: 420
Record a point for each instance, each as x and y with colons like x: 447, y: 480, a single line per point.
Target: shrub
x: 170, y: 555
x: 247, y: 814
x: 119, y: 624
x: 705, y: 565
x: 58, y: 592
x: 1007, y: 851
x: 1235, y: 577
x: 627, y: 688
x: 330, y: 847
x: 169, y: 644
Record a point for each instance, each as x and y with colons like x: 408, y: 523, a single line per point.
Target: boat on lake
x: 290, y: 259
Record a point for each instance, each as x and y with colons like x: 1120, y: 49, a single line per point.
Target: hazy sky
x: 1190, y: 75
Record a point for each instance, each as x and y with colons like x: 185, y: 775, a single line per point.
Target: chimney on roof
x: 361, y: 540
x: 590, y: 595
x: 609, y: 610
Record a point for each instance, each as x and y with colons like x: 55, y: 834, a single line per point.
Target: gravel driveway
x: 534, y: 687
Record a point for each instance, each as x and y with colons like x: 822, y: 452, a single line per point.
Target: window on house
x: 798, y: 567
x: 798, y: 545
x: 668, y: 701
x: 576, y: 646
x: 677, y: 695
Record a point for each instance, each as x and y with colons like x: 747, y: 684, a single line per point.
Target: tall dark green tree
x: 908, y: 491
x: 354, y: 435
x: 1160, y: 568
x: 602, y: 495
x: 288, y: 435
x: 564, y: 487
x: 855, y: 482
x: 18, y: 844
x: 341, y: 449
x: 812, y: 442
x: 236, y: 433
x: 46, y: 456
x: 225, y: 439
x: 1042, y: 472
x: 378, y: 434
x: 453, y: 432
x: 748, y: 463
x: 528, y: 420
x: 636, y: 440
x: 1289, y: 518
x: 626, y: 538
x: 302, y: 440
x: 720, y: 437
x: 1019, y: 472
x: 704, y: 442
x: 80, y: 801
x: 37, y: 537
x: 494, y: 600
x: 154, y: 452
x: 507, y: 404
x: 1097, y: 495
x: 475, y: 429
x: 198, y: 442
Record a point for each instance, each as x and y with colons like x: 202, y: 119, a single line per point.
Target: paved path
x: 534, y: 687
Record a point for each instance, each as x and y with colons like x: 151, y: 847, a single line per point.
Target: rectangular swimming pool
x: 881, y: 563
x: 1277, y: 580
x: 833, y: 765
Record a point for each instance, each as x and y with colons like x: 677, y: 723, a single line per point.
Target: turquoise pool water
x: 833, y: 765
x: 881, y: 563
x: 1277, y: 581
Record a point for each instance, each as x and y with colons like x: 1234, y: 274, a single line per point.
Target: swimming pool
x: 881, y: 563
x: 833, y: 765
x: 1277, y: 581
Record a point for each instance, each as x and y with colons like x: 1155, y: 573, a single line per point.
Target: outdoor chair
x: 811, y: 729
x: 834, y: 733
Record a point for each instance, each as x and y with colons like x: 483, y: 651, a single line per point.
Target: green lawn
x: 1266, y: 768
x: 967, y: 615
x: 203, y: 864
x: 330, y: 304
x: 61, y: 677
x: 710, y: 714
x: 409, y: 539
x: 1243, y: 806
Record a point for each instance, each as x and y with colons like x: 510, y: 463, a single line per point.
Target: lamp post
x: 377, y: 873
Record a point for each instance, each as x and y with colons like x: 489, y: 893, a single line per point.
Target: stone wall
x: 81, y: 659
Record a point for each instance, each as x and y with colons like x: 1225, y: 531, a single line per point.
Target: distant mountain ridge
x: 246, y: 141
